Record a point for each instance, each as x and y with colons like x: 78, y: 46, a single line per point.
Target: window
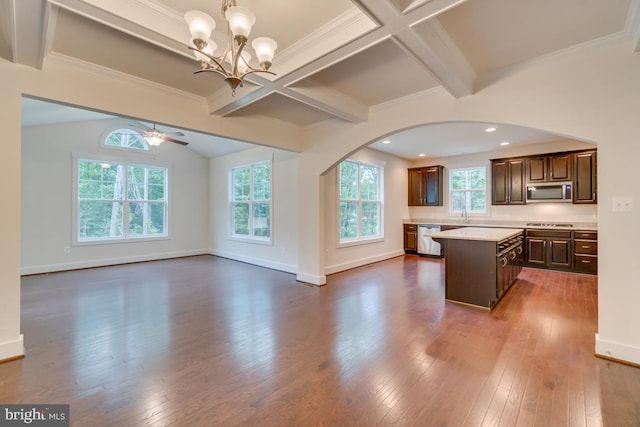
x: 251, y: 202
x: 360, y: 201
x: 120, y: 201
x: 468, y: 190
x: 126, y: 138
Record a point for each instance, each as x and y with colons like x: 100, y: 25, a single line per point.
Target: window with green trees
x: 120, y: 201
x: 126, y: 138
x: 251, y: 201
x: 360, y: 201
x: 468, y: 190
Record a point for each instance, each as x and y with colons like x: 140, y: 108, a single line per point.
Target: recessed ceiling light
x: 504, y: 143
x: 490, y: 129
x: 421, y: 155
x: 386, y: 141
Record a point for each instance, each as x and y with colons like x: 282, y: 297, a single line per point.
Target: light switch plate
x: 622, y: 204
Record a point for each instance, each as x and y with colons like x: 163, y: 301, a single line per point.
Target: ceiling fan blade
x: 176, y: 141
x: 174, y: 133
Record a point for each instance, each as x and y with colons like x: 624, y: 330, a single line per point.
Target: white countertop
x: 478, y: 233
x: 488, y: 222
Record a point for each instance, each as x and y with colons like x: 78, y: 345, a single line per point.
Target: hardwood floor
x: 207, y: 341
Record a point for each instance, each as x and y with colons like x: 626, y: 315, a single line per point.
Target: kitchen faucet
x: 465, y: 215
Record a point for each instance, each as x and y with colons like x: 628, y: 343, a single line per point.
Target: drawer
x: 586, y: 247
x: 410, y: 227
x: 586, y: 264
x: 549, y: 233
x: 586, y: 235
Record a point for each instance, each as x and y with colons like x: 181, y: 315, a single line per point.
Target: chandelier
x: 234, y: 62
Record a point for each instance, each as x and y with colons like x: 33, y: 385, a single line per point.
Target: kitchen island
x: 481, y: 263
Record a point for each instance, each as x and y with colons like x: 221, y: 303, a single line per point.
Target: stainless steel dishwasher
x: 426, y: 245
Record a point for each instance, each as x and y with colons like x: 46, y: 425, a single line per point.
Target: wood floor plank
x: 206, y: 341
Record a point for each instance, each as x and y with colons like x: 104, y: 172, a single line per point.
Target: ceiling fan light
x: 153, y: 138
x: 200, y: 24
x: 240, y: 21
x: 265, y: 49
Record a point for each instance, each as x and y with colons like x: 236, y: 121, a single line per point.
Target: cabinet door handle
x: 586, y: 262
x: 585, y: 247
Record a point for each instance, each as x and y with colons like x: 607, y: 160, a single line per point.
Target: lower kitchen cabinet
x: 586, y: 252
x: 410, y: 238
x: 550, y: 249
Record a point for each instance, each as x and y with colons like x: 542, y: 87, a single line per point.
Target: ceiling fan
x: 154, y: 137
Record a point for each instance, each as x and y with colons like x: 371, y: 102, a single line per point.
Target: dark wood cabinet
x: 586, y: 252
x: 508, y: 184
x: 585, y: 176
x: 550, y: 249
x: 425, y: 186
x: 549, y: 168
x: 410, y: 238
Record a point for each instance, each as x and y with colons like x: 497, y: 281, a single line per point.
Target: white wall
x: 47, y: 199
x: 395, y: 209
x: 283, y: 253
x: 558, y: 212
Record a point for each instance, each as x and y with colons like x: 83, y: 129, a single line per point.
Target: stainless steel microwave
x: 549, y: 192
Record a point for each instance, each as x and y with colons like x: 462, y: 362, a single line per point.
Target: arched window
x: 126, y: 138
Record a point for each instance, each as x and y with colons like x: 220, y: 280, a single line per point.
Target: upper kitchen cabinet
x: 585, y: 175
x: 426, y: 186
x: 508, y: 182
x: 549, y: 168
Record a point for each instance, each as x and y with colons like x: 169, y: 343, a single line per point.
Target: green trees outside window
x: 251, y: 201
x: 360, y: 201
x: 120, y: 201
x: 468, y: 189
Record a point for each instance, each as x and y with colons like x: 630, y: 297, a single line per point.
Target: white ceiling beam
x: 432, y: 48
x: 28, y: 29
x: 329, y: 100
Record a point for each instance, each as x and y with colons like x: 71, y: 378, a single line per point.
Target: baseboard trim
x: 287, y: 268
x: 311, y: 279
x: 362, y: 261
x: 12, y: 350
x: 618, y: 352
x: 52, y: 268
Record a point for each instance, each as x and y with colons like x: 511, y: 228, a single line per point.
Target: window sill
x: 257, y: 241
x: 363, y: 241
x: 118, y: 241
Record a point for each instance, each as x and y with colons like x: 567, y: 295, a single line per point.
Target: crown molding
x: 101, y: 71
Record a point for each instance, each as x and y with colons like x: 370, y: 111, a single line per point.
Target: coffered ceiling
x: 336, y: 58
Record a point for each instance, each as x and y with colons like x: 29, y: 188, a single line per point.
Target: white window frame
x: 251, y: 237
x: 359, y: 239
x: 125, y: 238
x: 458, y: 212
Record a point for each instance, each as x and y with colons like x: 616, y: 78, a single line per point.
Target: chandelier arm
x: 213, y: 70
x: 253, y: 71
x: 234, y: 66
x: 222, y: 70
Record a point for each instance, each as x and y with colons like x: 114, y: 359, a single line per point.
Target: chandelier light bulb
x: 210, y: 48
x: 240, y: 21
x: 200, y: 24
x: 265, y: 49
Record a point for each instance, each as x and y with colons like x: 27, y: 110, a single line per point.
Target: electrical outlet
x: 622, y: 204
x: 67, y: 249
